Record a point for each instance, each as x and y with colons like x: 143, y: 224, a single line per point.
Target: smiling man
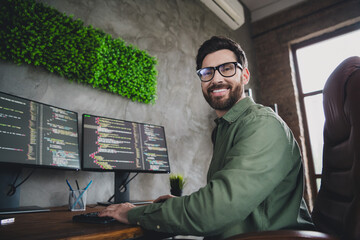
x: 255, y: 178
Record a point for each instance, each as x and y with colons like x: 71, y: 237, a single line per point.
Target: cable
x: 123, y: 185
x: 13, y: 187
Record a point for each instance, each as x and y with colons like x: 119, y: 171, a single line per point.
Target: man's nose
x: 217, y: 77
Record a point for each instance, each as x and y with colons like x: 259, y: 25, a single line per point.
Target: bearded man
x: 255, y: 178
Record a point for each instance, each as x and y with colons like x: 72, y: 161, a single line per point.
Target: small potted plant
x: 177, y: 183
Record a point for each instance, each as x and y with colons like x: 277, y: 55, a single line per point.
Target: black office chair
x: 337, y: 206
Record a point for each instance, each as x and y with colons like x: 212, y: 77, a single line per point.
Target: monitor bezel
x: 120, y: 170
x: 32, y: 165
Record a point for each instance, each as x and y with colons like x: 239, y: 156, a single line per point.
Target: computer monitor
x: 123, y: 146
x: 34, y: 135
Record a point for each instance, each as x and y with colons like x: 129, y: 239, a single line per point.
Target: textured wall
x: 171, y: 31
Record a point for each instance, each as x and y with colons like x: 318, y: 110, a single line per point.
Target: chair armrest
x: 284, y: 235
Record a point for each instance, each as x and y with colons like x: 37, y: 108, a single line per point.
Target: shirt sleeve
x: 261, y: 156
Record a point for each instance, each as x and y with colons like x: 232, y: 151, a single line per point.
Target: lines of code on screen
x: 112, y: 144
x: 37, y: 134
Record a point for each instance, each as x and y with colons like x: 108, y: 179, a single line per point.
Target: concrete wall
x: 170, y: 30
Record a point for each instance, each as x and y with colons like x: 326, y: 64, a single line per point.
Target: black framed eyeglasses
x: 226, y: 70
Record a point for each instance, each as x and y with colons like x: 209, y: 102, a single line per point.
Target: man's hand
x: 163, y: 198
x: 117, y: 211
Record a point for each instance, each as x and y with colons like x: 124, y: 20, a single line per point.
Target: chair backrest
x: 337, y: 206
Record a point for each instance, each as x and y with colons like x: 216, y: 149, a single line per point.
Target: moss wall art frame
x: 36, y: 34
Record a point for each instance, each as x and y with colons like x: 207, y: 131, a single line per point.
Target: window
x: 315, y: 60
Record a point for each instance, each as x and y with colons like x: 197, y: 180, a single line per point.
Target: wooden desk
x: 58, y: 224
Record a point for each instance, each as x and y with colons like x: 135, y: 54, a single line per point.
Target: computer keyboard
x: 92, y: 218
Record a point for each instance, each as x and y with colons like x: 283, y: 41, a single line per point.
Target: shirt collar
x: 237, y: 110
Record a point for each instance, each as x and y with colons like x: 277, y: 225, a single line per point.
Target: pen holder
x: 77, y: 200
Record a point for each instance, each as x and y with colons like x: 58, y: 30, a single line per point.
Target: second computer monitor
x: 117, y: 145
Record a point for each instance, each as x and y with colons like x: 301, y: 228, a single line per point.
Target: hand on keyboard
x: 92, y: 218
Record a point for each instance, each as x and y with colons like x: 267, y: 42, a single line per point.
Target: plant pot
x: 176, y: 192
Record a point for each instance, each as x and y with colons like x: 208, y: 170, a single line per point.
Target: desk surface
x: 58, y: 224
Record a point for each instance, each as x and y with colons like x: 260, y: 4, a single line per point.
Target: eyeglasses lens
x: 206, y: 74
x: 226, y: 70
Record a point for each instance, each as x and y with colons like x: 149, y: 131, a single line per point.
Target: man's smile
x: 219, y: 91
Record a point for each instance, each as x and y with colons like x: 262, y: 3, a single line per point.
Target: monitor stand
x: 119, y: 196
x: 7, y: 177
x: 10, y: 204
x: 123, y: 195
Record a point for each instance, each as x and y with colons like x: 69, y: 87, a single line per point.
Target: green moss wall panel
x: 35, y: 34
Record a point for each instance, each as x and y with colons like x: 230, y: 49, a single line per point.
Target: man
x: 255, y: 179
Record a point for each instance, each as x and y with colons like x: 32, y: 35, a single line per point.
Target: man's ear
x: 246, y: 76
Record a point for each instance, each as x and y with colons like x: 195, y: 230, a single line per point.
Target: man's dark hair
x: 218, y: 43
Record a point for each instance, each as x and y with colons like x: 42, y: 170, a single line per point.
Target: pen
x: 77, y: 184
x: 69, y: 185
x: 78, y: 188
x: 88, y: 185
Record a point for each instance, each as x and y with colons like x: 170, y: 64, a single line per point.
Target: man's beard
x: 218, y: 103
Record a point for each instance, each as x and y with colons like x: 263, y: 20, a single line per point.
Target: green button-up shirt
x: 254, y: 182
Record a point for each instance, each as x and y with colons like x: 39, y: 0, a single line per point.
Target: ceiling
x: 263, y: 8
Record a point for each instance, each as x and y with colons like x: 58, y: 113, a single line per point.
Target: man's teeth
x: 219, y: 90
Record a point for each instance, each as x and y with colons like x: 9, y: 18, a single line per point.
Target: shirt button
x: 158, y: 226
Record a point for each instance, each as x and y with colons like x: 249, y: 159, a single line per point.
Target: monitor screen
x: 118, y: 145
x: 37, y: 134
